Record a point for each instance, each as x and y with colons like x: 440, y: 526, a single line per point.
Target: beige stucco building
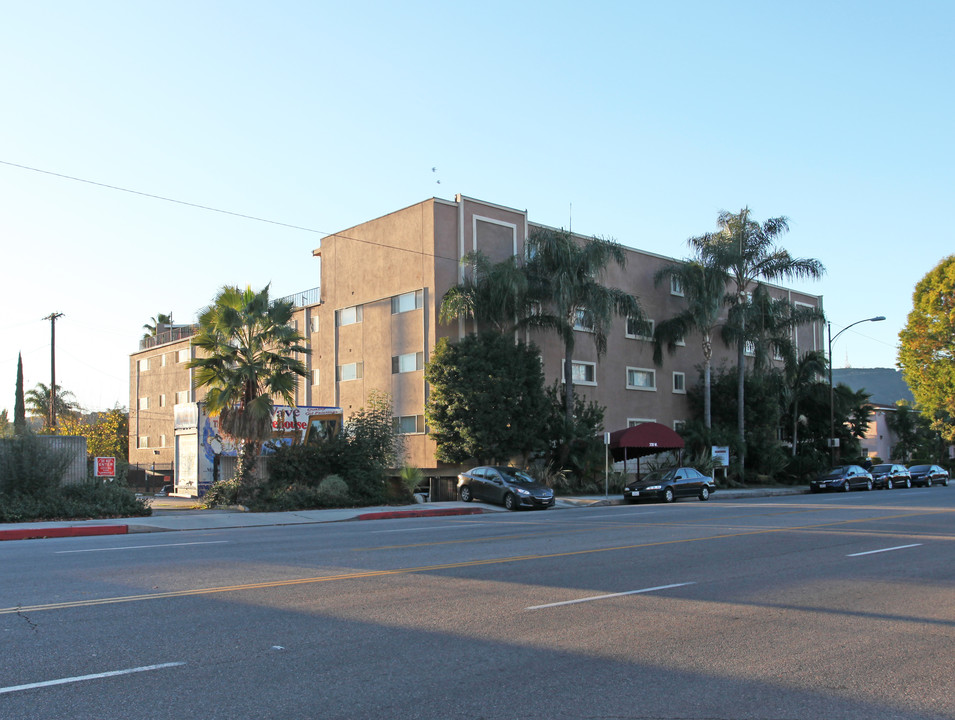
x: 373, y: 321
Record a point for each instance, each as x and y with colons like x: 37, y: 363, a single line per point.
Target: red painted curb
x: 388, y: 514
x: 36, y: 533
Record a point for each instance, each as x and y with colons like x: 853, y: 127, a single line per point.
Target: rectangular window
x: 314, y: 323
x: 641, y: 379
x: 679, y: 382
x: 409, y: 424
x: 678, y: 425
x: 348, y: 316
x: 182, y: 397
x: 162, y: 441
x: 143, y: 442
x: 162, y: 401
x: 639, y: 331
x: 406, y: 363
x: 349, y: 371
x: 163, y: 360
x: 582, y: 373
x: 749, y: 348
x: 315, y: 376
x: 407, y: 301
x: 182, y: 355
x: 676, y: 286
x: 144, y: 365
x: 584, y: 320
x: 144, y: 403
x: 633, y: 422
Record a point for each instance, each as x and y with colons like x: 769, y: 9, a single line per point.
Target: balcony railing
x: 304, y: 298
x: 169, y: 335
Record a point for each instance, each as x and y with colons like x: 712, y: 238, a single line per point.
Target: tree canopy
x: 927, y: 347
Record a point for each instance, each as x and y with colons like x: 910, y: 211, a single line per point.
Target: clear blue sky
x: 646, y: 118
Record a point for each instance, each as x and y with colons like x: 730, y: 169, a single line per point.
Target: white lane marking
x: 873, y: 552
x: 141, y: 547
x: 81, y: 678
x: 425, y: 527
x: 605, y: 597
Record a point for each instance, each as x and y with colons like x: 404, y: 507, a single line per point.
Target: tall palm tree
x: 38, y: 403
x: 747, y: 251
x: 704, y: 288
x: 492, y: 294
x: 152, y: 327
x: 565, y: 279
x: 247, y: 346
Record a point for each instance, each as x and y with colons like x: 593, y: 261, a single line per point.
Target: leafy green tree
x: 565, y: 280
x: 152, y: 327
x: 6, y: 427
x: 747, y: 251
x: 248, y: 356
x: 704, y: 288
x: 575, y: 447
x: 927, y: 347
x: 487, y: 399
x: 491, y: 294
x: 106, y: 433
x: 915, y: 437
x: 38, y: 404
x: 19, y: 406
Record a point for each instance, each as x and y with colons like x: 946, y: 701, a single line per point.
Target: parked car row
x: 885, y: 475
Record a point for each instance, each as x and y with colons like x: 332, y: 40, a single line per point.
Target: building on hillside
x: 880, y: 439
x: 373, y: 323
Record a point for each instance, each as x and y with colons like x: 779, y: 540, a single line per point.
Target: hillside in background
x: 884, y: 385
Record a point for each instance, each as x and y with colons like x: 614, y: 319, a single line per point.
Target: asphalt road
x: 832, y: 606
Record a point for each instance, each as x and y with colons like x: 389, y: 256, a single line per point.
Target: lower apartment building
x: 372, y: 323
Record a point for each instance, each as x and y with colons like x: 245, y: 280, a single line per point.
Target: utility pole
x: 53, y: 317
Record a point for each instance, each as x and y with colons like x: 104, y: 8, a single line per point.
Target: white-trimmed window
x: 633, y: 422
x: 313, y: 323
x: 349, y: 371
x: 144, y: 365
x: 639, y: 331
x: 162, y: 441
x: 679, y: 382
x: 143, y: 442
x: 315, y: 376
x: 348, y: 316
x: 409, y: 362
x: 182, y: 355
x: 407, y: 302
x: 678, y: 425
x: 584, y: 320
x: 409, y: 424
x: 144, y: 403
x: 641, y: 379
x: 676, y: 286
x: 182, y: 396
x: 749, y: 348
x: 162, y: 401
x: 162, y: 360
x: 581, y: 373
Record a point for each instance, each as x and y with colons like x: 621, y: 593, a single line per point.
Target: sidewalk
x: 171, y: 514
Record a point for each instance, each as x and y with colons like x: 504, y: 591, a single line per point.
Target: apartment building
x: 372, y: 324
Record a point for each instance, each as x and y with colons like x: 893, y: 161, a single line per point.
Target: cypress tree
x: 19, y: 408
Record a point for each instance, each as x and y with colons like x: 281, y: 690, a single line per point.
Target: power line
x: 219, y: 210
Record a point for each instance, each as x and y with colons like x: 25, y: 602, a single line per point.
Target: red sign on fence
x: 104, y: 467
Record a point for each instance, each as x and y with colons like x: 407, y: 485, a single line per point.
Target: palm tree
x: 748, y: 253
x: 38, y: 403
x: 704, y: 287
x: 247, y: 345
x: 492, y: 294
x: 564, y: 277
x: 801, y: 374
x: 152, y: 330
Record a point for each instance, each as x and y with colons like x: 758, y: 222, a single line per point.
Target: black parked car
x: 928, y: 474
x: 843, y: 477
x: 891, y: 476
x: 668, y: 485
x: 508, y: 486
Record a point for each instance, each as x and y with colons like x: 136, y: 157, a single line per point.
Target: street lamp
x: 832, y: 422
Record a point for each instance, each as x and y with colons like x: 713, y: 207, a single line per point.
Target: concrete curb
x: 436, y: 512
x: 36, y: 533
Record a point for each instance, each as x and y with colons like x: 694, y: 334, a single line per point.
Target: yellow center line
x: 421, y: 569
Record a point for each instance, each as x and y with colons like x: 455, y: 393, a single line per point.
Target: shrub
x: 333, y: 490
x: 411, y: 478
x: 92, y: 499
x: 224, y: 492
x: 30, y: 466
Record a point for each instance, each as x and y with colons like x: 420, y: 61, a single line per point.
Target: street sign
x: 104, y: 467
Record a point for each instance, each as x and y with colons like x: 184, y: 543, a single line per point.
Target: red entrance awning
x: 643, y: 439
